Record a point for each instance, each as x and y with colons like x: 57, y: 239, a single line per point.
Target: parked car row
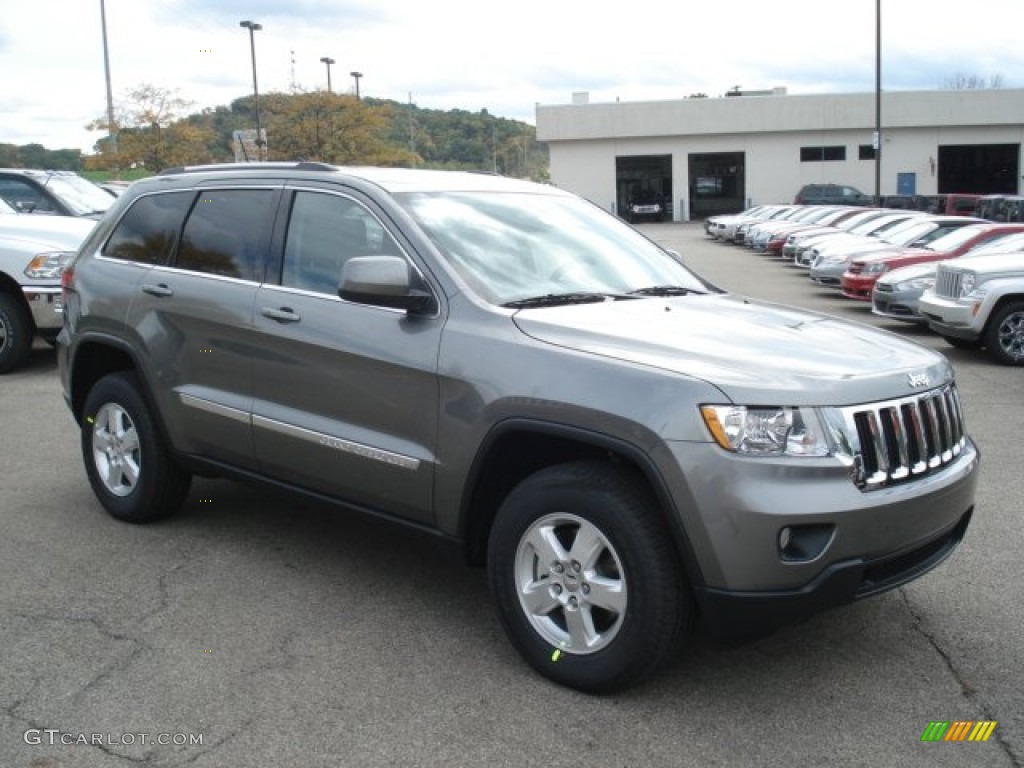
x: 962, y: 276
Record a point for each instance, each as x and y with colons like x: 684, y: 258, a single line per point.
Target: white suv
x: 978, y: 303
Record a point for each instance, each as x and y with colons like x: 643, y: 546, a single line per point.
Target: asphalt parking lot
x: 285, y: 634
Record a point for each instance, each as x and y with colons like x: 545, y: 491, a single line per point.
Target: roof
x: 390, y: 179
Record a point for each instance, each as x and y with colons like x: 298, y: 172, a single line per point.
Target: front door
x: 346, y: 395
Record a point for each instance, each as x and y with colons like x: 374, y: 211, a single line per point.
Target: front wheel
x: 1004, y: 335
x: 588, y: 587
x: 15, y: 333
x: 128, y: 465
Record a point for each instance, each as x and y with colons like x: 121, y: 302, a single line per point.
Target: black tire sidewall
x: 161, y: 485
x: 624, y: 515
x: 15, y: 350
x: 992, y: 333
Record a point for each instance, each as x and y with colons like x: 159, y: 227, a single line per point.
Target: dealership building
x: 709, y: 155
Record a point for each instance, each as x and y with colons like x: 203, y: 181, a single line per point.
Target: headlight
x: 766, y: 431
x: 917, y: 284
x: 967, y: 284
x: 874, y: 268
x: 48, y: 266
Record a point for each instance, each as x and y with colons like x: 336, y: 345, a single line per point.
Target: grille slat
x: 947, y: 283
x: 906, y: 439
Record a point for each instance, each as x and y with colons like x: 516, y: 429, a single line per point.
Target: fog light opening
x: 804, y: 543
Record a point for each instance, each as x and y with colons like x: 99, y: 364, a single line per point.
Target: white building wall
x: 585, y: 139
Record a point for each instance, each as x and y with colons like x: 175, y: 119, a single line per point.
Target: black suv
x: 831, y: 194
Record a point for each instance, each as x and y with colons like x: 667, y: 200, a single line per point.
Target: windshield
x: 510, y: 246
x: 81, y: 196
x: 1009, y: 244
x: 956, y: 238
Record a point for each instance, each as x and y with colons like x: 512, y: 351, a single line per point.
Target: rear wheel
x: 1004, y: 335
x: 15, y: 333
x: 128, y: 465
x: 588, y: 587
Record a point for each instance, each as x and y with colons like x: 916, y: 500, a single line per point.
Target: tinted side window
x: 148, y: 231
x: 224, y: 234
x: 25, y: 196
x: 325, y: 231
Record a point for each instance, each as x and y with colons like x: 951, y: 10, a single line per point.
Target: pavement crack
x: 968, y: 691
x: 137, y: 645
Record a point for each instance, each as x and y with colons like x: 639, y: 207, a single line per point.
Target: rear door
x: 345, y: 394
x: 193, y: 322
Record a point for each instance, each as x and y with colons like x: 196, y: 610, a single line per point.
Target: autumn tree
x: 332, y: 128
x: 151, y: 132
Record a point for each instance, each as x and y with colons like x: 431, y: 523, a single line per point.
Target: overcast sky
x: 504, y: 57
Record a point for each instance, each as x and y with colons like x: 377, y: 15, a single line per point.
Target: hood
x: 1010, y: 263
x: 58, y: 232
x: 912, y: 272
x: 755, y: 352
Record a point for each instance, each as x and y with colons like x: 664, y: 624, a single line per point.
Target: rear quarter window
x: 149, y: 229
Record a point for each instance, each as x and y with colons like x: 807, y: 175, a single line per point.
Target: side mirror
x: 383, y: 281
x: 676, y: 255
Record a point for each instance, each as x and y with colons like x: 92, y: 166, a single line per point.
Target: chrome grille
x: 902, y: 440
x: 947, y: 282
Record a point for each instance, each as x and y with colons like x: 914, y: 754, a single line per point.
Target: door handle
x: 282, y: 315
x: 160, y: 290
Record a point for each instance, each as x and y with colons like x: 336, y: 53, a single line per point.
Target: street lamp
x: 356, y: 75
x: 253, y: 27
x: 328, y: 61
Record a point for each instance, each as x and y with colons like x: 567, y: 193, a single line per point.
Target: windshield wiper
x: 559, y: 299
x: 663, y: 290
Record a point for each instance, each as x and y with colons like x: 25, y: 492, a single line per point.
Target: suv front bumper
x: 734, y: 510
x: 46, y: 305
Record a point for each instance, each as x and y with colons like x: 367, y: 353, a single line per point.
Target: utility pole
x: 357, y: 75
x: 111, y: 127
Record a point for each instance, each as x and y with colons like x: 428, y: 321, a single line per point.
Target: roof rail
x: 303, y: 165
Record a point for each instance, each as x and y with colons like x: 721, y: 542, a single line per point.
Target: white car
x: 33, y: 253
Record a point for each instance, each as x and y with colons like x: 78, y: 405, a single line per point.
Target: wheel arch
x: 517, y: 448
x: 94, y: 358
x: 11, y: 287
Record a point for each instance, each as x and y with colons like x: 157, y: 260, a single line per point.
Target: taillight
x: 67, y: 278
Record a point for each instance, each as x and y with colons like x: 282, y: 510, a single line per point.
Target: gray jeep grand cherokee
x: 505, y: 365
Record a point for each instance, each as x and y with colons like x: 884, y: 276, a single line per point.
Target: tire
x: 129, y: 467
x: 16, y: 332
x: 588, y: 587
x: 1004, y: 334
x: 953, y: 341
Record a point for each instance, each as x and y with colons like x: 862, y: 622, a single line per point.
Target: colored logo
x: 958, y: 730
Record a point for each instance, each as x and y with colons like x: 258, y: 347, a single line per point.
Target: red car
x: 860, y: 278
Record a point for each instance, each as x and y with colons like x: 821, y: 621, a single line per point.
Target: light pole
x: 878, y: 102
x: 111, y: 126
x: 328, y: 61
x: 253, y: 27
x: 356, y: 75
